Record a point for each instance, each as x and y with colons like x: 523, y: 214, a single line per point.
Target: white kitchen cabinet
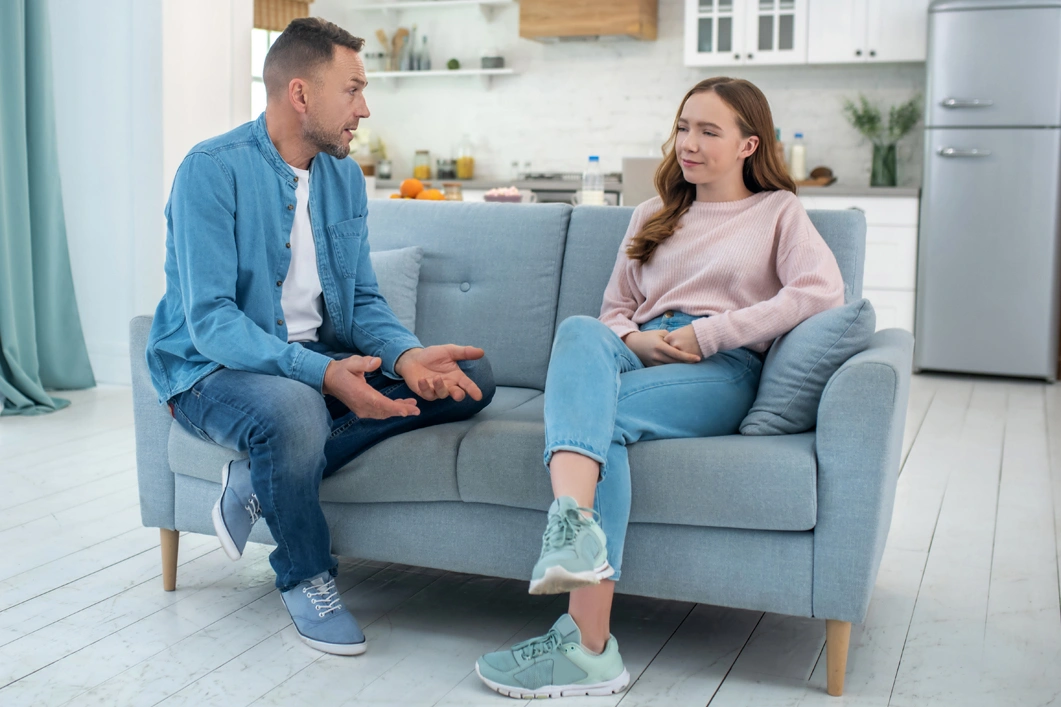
x: 745, y: 32
x: 889, y: 277
x: 897, y: 30
x: 893, y: 308
x: 857, y: 31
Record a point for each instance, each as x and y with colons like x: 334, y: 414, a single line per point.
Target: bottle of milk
x: 797, y: 167
x: 593, y: 183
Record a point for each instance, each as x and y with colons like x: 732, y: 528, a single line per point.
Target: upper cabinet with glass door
x: 714, y: 32
x: 745, y: 32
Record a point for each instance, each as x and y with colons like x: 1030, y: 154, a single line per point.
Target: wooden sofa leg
x: 837, y: 639
x: 170, y: 541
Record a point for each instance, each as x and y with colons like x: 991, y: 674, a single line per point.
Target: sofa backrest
x: 490, y: 276
x: 503, y: 276
x: 596, y: 232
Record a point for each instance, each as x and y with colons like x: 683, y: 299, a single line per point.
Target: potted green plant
x: 866, y: 118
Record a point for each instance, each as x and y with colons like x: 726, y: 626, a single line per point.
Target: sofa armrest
x: 861, y: 418
x: 152, y: 422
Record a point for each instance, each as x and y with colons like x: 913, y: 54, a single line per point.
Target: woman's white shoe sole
x: 601, y: 688
x: 558, y: 580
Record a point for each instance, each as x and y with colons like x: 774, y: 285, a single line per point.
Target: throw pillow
x: 801, y: 362
x: 398, y: 274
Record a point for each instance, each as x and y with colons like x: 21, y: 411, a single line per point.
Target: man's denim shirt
x: 229, y: 221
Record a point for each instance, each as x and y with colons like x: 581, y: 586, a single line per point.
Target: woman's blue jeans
x: 599, y: 398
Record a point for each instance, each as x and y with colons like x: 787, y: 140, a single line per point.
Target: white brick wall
x: 612, y: 98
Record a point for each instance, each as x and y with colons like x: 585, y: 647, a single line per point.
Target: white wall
x: 206, y: 69
x: 614, y: 98
x: 137, y: 83
x: 107, y: 64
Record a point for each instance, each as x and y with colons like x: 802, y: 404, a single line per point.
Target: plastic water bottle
x: 798, y: 159
x: 593, y: 183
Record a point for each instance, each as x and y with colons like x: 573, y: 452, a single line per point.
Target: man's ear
x: 296, y: 93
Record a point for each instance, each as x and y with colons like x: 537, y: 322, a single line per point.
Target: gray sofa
x: 793, y: 524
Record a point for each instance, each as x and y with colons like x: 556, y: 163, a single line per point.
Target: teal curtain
x: 41, y: 342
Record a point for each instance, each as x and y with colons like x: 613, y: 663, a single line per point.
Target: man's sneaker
x: 321, y: 619
x: 574, y: 552
x: 554, y: 665
x: 237, y: 510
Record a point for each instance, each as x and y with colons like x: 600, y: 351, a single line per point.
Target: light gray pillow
x: 398, y: 273
x: 801, y: 362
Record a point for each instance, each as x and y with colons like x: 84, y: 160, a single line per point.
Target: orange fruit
x: 411, y: 187
x: 430, y: 195
x: 396, y: 196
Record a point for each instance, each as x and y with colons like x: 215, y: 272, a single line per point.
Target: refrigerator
x: 987, y: 281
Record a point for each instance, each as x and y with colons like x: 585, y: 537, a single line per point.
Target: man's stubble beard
x: 320, y: 139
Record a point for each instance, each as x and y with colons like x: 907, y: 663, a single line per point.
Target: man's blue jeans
x: 599, y: 398
x: 294, y: 437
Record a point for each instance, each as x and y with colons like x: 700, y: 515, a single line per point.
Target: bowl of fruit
x: 415, y: 189
x: 511, y: 194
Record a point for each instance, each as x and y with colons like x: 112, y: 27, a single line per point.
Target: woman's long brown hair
x: 763, y: 170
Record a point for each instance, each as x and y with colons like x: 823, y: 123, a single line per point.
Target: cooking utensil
x: 399, y: 41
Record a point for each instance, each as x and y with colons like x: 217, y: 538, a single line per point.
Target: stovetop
x: 566, y: 177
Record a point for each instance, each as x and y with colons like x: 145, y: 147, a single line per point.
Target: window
x: 261, y: 40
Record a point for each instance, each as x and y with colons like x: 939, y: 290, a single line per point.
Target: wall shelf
x: 485, y: 75
x: 487, y: 7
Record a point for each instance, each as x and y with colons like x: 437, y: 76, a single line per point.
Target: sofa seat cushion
x: 415, y: 466
x: 761, y: 483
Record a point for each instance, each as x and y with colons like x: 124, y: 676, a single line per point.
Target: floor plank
x: 692, y: 665
x: 942, y: 660
x: 66, y: 599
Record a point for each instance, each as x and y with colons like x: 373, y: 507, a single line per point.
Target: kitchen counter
x: 487, y: 184
x: 838, y: 189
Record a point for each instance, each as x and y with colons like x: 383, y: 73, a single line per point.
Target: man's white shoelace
x: 325, y: 597
x: 254, y: 508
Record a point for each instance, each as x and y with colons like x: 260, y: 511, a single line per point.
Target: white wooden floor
x: 965, y: 612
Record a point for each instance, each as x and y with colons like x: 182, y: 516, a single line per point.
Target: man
x: 267, y: 277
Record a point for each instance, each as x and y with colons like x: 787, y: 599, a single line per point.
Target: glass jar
x: 383, y: 169
x: 465, y: 160
x: 374, y: 61
x: 452, y: 191
x: 446, y: 169
x: 422, y: 165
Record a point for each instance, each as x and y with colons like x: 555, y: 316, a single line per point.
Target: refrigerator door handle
x: 966, y: 102
x: 955, y: 152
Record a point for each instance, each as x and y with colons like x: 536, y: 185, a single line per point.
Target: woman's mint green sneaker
x: 554, y: 665
x: 574, y: 551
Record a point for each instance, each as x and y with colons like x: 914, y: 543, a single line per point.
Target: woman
x: 709, y: 274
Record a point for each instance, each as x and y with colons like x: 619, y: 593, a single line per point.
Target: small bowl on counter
x: 509, y: 194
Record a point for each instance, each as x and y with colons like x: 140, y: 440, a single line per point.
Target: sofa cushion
x: 723, y: 482
x: 415, y: 466
x: 490, y: 276
x: 801, y: 362
x: 398, y: 274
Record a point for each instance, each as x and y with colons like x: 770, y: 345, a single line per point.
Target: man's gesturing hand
x: 433, y: 373
x: 345, y: 379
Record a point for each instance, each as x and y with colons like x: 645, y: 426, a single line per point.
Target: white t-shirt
x: 301, y: 298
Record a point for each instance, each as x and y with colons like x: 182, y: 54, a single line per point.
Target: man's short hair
x: 302, y: 48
